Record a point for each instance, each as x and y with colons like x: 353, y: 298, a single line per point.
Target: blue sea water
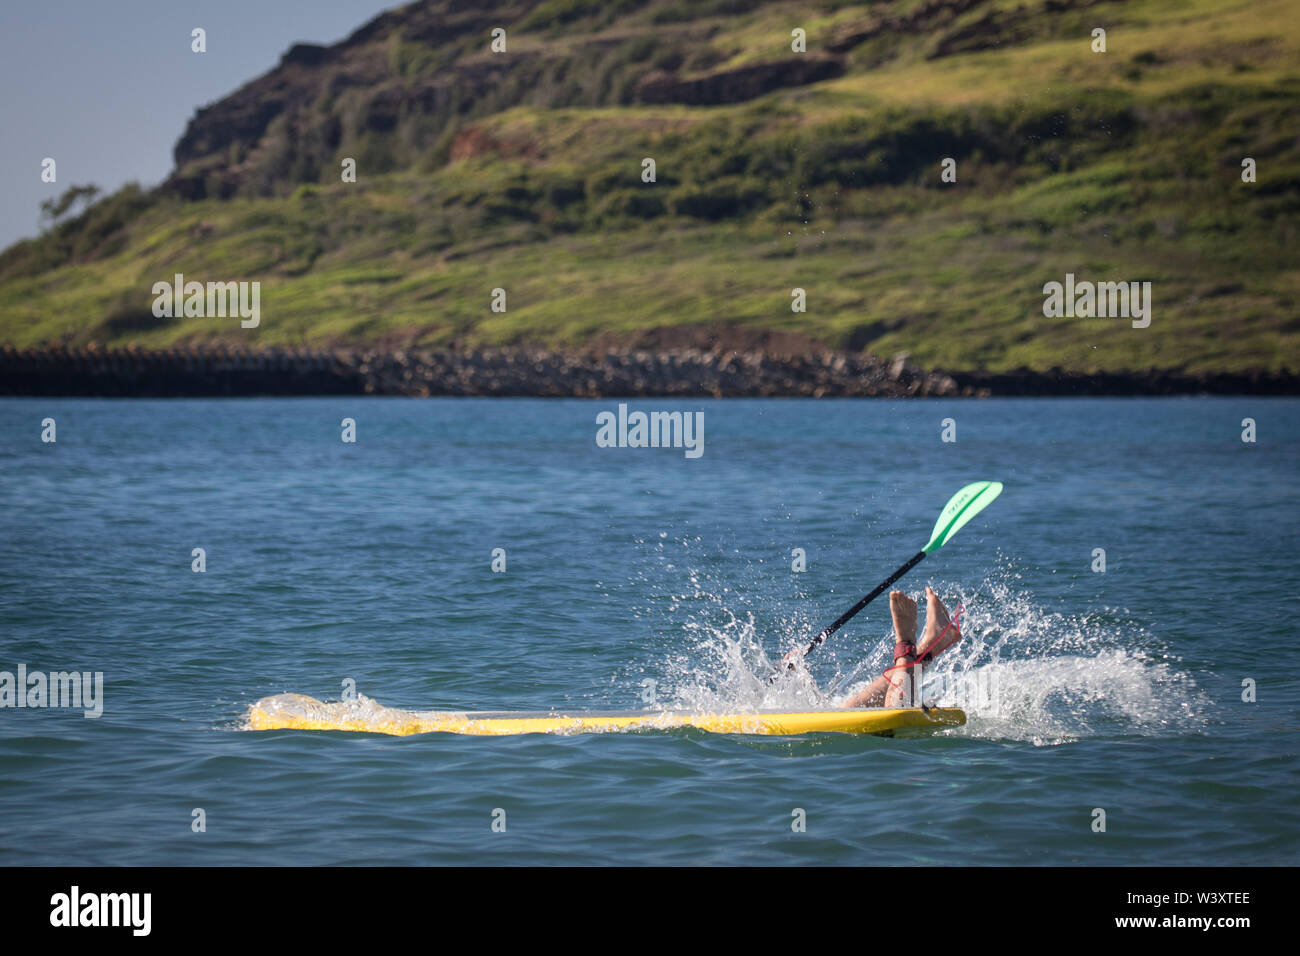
x: 642, y: 579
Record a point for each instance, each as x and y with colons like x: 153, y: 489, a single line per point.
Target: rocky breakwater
x: 688, y: 372
x: 205, y: 371
x: 177, y: 372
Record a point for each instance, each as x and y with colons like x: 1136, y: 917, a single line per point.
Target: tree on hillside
x: 52, y: 210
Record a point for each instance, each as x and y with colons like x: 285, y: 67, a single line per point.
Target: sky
x: 106, y: 87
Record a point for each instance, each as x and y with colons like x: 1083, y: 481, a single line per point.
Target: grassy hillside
x: 523, y: 171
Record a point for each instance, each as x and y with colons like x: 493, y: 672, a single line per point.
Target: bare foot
x: 903, y: 609
x: 936, y: 619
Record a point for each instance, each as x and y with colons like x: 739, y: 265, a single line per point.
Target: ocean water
x: 644, y: 579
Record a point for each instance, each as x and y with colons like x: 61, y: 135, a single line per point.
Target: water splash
x: 727, y: 671
x: 1021, y: 672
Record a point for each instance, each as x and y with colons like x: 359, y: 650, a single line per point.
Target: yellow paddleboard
x: 298, y: 712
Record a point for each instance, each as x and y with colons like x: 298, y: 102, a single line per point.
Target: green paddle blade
x: 963, y: 506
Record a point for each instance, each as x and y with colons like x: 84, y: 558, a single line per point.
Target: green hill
x: 775, y: 170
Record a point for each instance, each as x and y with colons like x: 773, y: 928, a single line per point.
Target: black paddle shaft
x: 851, y: 612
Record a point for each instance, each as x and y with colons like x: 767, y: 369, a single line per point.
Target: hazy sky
x: 105, y: 87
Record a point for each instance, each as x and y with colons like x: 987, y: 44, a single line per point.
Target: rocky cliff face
x: 282, y: 127
x: 398, y: 91
x: 400, y: 88
x: 738, y: 85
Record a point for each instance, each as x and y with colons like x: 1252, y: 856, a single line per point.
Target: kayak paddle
x: 963, y: 506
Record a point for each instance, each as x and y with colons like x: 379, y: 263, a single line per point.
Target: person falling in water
x: 887, y: 690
